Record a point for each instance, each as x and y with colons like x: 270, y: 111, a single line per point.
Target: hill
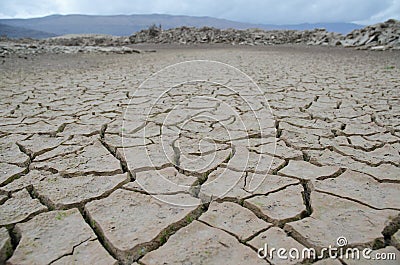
x: 125, y: 25
x: 20, y: 32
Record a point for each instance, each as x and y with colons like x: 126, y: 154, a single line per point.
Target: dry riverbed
x: 198, y: 164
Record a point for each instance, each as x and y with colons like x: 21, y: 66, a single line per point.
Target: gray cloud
x: 255, y: 11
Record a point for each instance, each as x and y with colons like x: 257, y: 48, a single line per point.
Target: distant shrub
x: 154, y: 30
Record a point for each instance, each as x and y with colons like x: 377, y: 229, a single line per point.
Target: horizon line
x: 180, y: 15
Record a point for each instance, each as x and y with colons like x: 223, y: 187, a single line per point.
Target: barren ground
x: 191, y: 176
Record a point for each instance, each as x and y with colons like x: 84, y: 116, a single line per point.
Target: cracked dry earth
x: 190, y: 175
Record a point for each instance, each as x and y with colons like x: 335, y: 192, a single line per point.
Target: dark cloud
x: 255, y: 11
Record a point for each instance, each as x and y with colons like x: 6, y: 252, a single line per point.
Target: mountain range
x: 125, y: 25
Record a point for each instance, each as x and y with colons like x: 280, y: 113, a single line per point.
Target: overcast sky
x: 254, y: 11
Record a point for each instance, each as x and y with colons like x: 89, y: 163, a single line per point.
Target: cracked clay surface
x: 198, y: 165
